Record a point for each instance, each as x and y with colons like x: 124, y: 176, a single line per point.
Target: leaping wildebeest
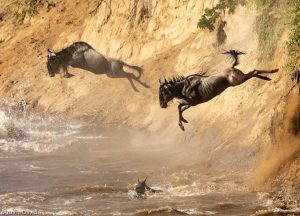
x: 200, y: 88
x: 82, y: 55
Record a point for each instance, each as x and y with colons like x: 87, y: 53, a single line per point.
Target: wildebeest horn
x: 165, y: 80
x: 145, y: 178
x: 51, y: 53
x: 162, y: 81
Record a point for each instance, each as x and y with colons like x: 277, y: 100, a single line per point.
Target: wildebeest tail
x: 234, y: 54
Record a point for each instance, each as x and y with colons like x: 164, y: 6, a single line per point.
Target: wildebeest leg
x: 181, y: 108
x: 120, y: 69
x: 256, y: 73
x: 189, y: 86
x: 265, y: 71
x: 136, y: 68
x: 185, y: 107
x: 66, y: 73
x: 140, y: 82
x: 132, y: 84
x: 130, y: 77
x: 116, y: 69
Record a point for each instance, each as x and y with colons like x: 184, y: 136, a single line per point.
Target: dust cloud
x: 285, y: 149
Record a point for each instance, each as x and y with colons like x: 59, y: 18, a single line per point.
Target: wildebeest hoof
x: 145, y: 85
x: 184, y: 120
x: 181, y: 126
x: 275, y: 70
x: 68, y: 75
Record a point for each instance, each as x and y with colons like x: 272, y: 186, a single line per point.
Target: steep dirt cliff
x: 241, y: 129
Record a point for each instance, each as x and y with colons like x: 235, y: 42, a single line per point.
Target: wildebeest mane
x: 234, y: 55
x: 174, y: 79
x: 66, y: 53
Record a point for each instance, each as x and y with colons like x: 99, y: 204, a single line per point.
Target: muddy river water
x: 67, y: 168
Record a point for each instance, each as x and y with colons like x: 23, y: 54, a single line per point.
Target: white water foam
x: 43, y: 134
x: 32, y: 168
x: 195, y: 211
x: 3, y: 120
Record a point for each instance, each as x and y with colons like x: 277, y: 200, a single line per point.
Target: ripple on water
x: 277, y: 211
x: 171, y: 211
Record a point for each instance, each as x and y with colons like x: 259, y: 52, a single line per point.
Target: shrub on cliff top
x: 212, y: 15
x: 25, y: 8
x: 293, y: 44
x: 29, y: 8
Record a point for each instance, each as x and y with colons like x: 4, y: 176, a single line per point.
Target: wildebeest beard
x: 51, y: 72
x: 165, y: 95
x: 162, y: 98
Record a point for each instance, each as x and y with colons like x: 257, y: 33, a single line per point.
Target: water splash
x: 40, y: 133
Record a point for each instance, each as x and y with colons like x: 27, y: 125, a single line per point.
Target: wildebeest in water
x: 142, y: 187
x: 82, y: 55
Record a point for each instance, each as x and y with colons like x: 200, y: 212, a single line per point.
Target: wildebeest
x: 199, y: 88
x: 82, y: 55
x: 141, y: 188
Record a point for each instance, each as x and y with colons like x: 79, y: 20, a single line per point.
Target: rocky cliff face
x: 236, y: 130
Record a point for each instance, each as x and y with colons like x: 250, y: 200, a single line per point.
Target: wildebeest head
x: 52, y: 63
x: 141, y: 186
x: 165, y: 93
